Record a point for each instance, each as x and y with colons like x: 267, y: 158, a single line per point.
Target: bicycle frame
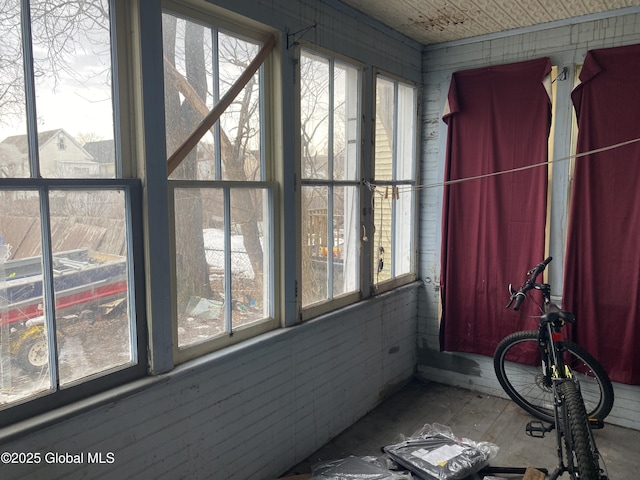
x: 555, y: 371
x: 550, y: 339
x: 553, y: 368
x: 558, y: 372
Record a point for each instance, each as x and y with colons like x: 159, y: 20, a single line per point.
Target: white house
x: 60, y: 155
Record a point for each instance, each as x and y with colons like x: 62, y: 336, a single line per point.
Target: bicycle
x: 556, y: 381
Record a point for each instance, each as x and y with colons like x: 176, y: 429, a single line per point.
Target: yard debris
x: 204, y: 308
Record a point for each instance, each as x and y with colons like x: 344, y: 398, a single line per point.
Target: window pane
x: 346, y: 126
x: 315, y: 249
x: 88, y: 236
x: 330, y: 256
x: 403, y: 247
x: 72, y: 62
x: 201, y: 65
x: 240, y: 125
x: 395, y: 159
x: 382, y: 238
x: 250, y: 250
x: 220, y: 257
x: 14, y: 158
x: 200, y: 263
x: 330, y: 140
x: 405, y: 162
x: 314, y: 116
x: 23, y: 337
x: 189, y: 93
x: 385, y: 128
x: 346, y: 251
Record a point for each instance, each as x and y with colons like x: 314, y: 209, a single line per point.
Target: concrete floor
x: 475, y: 416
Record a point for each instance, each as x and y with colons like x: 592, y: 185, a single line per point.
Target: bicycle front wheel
x: 582, y: 457
x: 517, y: 364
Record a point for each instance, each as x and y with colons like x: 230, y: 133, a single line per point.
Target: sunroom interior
x: 230, y: 229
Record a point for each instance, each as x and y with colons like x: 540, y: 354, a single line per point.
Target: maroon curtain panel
x: 602, y: 267
x: 493, y: 228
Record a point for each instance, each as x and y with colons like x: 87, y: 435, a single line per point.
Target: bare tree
x: 12, y: 162
x: 11, y: 76
x: 185, y: 103
x: 57, y: 28
x: 181, y: 117
x: 88, y: 137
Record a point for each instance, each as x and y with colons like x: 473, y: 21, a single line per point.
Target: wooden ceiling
x: 436, y: 21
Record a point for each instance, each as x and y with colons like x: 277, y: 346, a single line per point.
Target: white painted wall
x: 567, y: 46
x: 248, y: 412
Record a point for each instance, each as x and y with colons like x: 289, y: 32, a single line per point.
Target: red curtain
x: 493, y: 228
x: 602, y: 268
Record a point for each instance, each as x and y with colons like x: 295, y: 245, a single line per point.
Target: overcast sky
x: 80, y: 100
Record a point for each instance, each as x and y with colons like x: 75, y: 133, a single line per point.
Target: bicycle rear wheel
x: 582, y: 457
x: 517, y: 364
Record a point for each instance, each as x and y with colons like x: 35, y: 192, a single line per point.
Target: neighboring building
x: 60, y: 155
x: 13, y: 163
x: 103, y: 152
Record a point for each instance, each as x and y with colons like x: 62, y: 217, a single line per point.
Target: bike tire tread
x: 579, y: 443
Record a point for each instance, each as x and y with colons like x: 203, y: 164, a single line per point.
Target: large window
x: 222, y: 199
x: 77, y: 121
x: 395, y: 179
x: 67, y: 309
x: 330, y: 171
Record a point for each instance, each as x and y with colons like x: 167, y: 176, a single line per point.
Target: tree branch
x: 212, y: 117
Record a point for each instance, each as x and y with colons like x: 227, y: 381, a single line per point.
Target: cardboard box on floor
x: 530, y: 474
x: 533, y: 474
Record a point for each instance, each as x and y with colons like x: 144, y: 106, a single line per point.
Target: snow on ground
x: 214, y: 251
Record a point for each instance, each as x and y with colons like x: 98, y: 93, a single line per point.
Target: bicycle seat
x: 555, y: 315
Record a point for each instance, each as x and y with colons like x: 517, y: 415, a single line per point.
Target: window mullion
x: 269, y: 292
x: 330, y: 207
x: 228, y: 303
x: 394, y: 155
x: 216, y: 98
x: 263, y: 140
x: 115, y: 94
x: 48, y: 289
x: 30, y: 89
x: 367, y: 173
x: 330, y: 174
x: 394, y: 231
x: 394, y: 177
x: 331, y: 119
x: 135, y: 293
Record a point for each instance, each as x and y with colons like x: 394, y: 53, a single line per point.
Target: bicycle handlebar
x: 520, y: 295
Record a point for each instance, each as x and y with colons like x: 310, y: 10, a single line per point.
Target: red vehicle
x: 87, y: 285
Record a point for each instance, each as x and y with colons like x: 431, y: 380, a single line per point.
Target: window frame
x: 242, y: 28
x: 101, y: 381
x: 110, y: 378
x: 333, y: 302
x: 182, y: 354
x: 402, y: 279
